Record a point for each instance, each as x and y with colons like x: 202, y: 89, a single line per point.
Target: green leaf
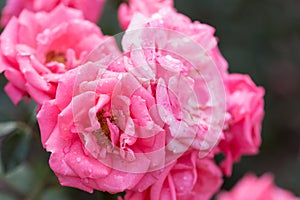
x: 7, y: 128
x: 55, y: 193
x: 23, y: 179
x: 4, y: 196
x: 15, y: 148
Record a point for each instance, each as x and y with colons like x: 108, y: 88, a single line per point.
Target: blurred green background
x: 257, y: 37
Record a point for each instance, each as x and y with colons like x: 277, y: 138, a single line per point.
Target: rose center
x: 56, y: 57
x: 102, y: 119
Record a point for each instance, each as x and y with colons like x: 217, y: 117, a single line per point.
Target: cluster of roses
x: 147, y: 120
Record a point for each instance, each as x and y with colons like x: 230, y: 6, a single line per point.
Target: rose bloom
x: 91, y: 9
x: 190, y: 178
x: 146, y: 7
x: 253, y: 188
x: 242, y: 132
x: 72, y: 158
x: 161, y: 13
x: 168, y: 18
x: 122, y: 116
x: 194, y: 40
x: 36, y: 49
x: 179, y: 54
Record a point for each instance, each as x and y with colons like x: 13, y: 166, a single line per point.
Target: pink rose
x: 187, y: 40
x: 122, y: 117
x: 72, y: 155
x: 190, y: 178
x: 253, y: 188
x: 202, y: 34
x: 91, y: 8
x: 151, y: 43
x: 245, y: 107
x: 146, y: 7
x: 38, y: 48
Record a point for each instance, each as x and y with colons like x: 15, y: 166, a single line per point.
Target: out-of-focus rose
x: 253, y: 188
x: 245, y: 107
x: 146, y: 7
x: 38, y: 48
x: 91, y: 9
x: 127, y: 115
x: 190, y: 178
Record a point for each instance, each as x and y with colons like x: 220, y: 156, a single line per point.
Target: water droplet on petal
x: 169, y: 57
x: 86, y: 180
x: 67, y: 149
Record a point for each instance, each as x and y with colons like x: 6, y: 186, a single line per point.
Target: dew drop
x: 204, y: 146
x: 78, y: 159
x: 67, y: 149
x: 169, y: 57
x: 154, y: 164
x: 86, y: 180
x: 120, y: 76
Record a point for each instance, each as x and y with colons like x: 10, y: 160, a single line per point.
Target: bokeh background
x: 258, y: 37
